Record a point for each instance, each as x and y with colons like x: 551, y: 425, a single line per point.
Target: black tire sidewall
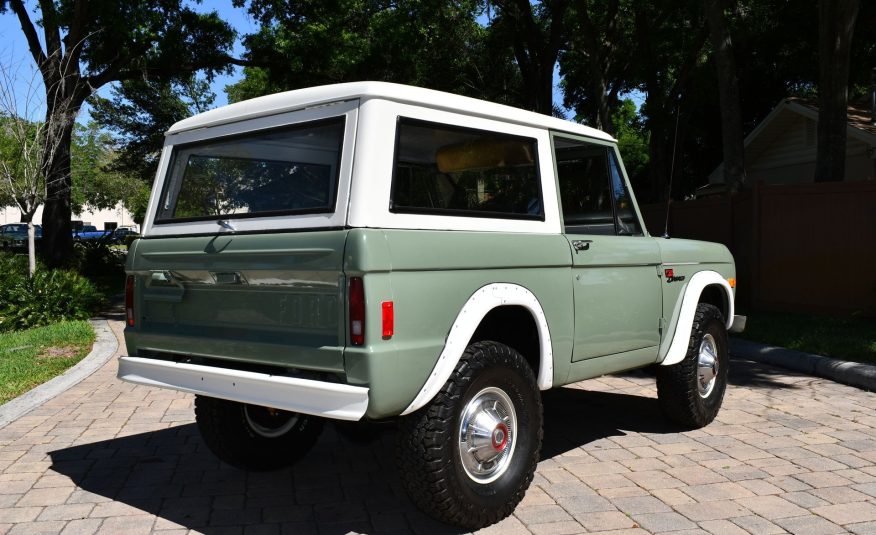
x: 678, y: 384
x: 496, y: 493
x: 230, y: 437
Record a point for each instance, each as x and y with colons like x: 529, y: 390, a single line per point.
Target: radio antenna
x: 672, y: 168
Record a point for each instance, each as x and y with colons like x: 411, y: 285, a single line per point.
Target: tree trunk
x: 836, y: 25
x: 728, y: 94
x: 57, y: 242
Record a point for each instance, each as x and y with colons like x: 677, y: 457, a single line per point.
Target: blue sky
x: 15, y: 56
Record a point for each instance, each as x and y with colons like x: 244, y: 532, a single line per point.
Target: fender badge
x: 670, y: 276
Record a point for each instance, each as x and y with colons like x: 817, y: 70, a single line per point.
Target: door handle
x: 581, y: 245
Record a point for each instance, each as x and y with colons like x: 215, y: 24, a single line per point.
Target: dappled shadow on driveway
x: 348, y: 482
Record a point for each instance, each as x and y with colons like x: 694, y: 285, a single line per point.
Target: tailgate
x: 261, y: 299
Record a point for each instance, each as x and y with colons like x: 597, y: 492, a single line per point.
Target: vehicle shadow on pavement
x: 348, y: 482
x: 756, y: 375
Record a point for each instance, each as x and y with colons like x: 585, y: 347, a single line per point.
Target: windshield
x: 290, y: 170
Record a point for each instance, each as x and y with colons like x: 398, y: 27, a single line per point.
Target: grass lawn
x: 845, y: 338
x: 31, y: 357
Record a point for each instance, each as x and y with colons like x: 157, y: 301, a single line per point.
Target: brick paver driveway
x: 788, y: 453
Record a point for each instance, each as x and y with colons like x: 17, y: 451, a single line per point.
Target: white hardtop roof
x: 418, y: 96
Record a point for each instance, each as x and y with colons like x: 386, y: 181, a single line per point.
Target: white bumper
x: 331, y: 400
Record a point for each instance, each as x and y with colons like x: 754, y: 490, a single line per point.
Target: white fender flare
x: 693, y: 290
x: 467, y: 321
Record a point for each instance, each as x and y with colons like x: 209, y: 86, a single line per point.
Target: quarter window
x: 448, y: 170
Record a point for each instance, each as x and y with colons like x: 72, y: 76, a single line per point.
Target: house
x: 782, y: 148
x: 109, y: 219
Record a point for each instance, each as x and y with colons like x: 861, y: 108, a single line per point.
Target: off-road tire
x: 677, y: 385
x: 228, y: 433
x: 429, y: 459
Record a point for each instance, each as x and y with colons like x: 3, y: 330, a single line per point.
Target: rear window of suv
x: 288, y: 170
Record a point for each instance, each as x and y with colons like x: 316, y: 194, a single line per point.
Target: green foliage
x: 97, y: 258
x: 632, y: 138
x: 139, y: 112
x: 98, y: 181
x: 22, y: 183
x: 47, y: 297
x: 428, y: 43
x: 31, y: 357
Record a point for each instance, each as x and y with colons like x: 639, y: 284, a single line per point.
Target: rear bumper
x: 330, y: 400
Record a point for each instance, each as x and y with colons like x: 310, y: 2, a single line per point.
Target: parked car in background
x: 14, y: 235
x: 90, y: 232
x: 119, y: 235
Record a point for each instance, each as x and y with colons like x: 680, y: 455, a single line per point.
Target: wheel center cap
x: 500, y: 437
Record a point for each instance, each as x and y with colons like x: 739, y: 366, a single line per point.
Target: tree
x: 428, y: 43
x: 139, y: 112
x: 728, y: 94
x: 596, y: 64
x: 90, y: 43
x: 670, y: 38
x: 536, y: 34
x: 836, y: 26
x: 97, y: 180
x: 632, y: 139
x: 23, y: 142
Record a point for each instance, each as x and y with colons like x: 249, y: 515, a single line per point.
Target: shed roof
x: 859, y: 127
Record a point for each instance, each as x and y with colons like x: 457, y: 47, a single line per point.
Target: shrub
x: 129, y: 239
x: 97, y: 258
x: 48, y: 297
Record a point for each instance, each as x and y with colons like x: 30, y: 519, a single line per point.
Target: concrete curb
x: 849, y: 373
x: 105, y: 345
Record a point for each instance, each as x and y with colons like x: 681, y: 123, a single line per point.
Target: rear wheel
x: 252, y: 437
x: 468, y: 456
x: 691, y: 392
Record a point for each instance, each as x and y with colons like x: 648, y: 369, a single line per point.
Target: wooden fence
x: 806, y: 247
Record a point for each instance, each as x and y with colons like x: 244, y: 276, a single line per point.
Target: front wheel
x: 468, y: 456
x: 691, y: 392
x: 252, y: 437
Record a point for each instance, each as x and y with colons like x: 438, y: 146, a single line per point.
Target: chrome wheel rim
x: 487, y: 435
x: 707, y: 366
x: 268, y: 422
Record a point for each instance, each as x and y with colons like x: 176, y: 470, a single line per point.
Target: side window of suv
x: 594, y: 197
x: 450, y: 170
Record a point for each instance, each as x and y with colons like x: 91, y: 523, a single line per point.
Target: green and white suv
x: 373, y: 251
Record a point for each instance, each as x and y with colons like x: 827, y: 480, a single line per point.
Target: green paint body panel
x: 687, y: 257
x: 617, y: 295
x: 602, y: 305
x: 271, y: 299
x: 429, y: 276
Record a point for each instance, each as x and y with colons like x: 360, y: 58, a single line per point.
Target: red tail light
x: 357, y: 311
x: 388, y: 319
x: 129, y: 300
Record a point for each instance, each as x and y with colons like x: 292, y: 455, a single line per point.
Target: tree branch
x: 74, y: 39
x: 33, y: 40
x: 50, y: 28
